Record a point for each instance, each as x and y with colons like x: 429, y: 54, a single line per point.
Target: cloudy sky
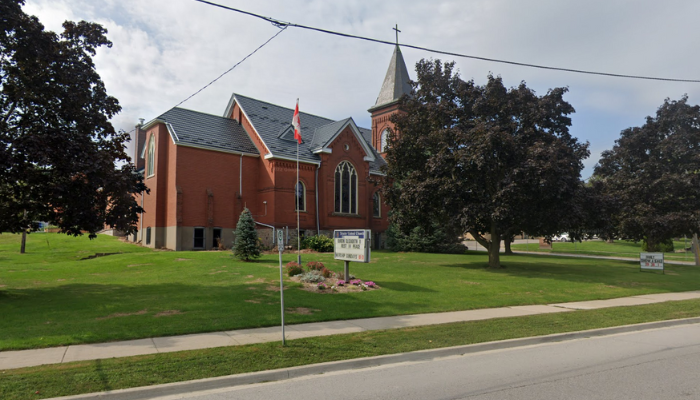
x: 166, y: 50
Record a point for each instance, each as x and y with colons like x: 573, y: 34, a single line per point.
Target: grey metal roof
x: 325, y: 133
x: 273, y: 124
x: 396, y: 81
x: 192, y: 128
x: 374, y: 166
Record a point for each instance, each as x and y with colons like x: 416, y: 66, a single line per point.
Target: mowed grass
x: 619, y: 248
x: 56, y: 295
x: 120, y: 373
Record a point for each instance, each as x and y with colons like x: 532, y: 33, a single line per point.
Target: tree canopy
x: 58, y: 150
x: 490, y: 160
x: 653, y: 175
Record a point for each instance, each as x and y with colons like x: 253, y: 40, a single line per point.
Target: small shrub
x: 340, y: 283
x: 370, y: 284
x: 321, y: 286
x: 356, y: 282
x: 665, y: 246
x: 320, y: 243
x: 327, y: 273
x: 315, y: 266
x: 294, y: 269
x: 312, y: 277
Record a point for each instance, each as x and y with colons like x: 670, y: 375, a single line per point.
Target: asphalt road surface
x: 653, y: 364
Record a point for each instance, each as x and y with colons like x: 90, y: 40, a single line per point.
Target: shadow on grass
x: 405, y: 287
x: 95, y: 313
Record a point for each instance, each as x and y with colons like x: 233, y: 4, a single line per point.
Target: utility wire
x: 280, y: 23
x: 283, y: 27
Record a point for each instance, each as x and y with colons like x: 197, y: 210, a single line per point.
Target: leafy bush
x: 665, y: 246
x: 327, y: 273
x: 320, y: 243
x: 419, y: 241
x: 312, y: 277
x: 294, y: 269
x: 315, y: 266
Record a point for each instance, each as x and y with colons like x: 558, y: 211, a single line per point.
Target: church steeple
x: 396, y: 84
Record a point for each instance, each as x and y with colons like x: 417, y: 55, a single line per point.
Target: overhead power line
x: 280, y: 23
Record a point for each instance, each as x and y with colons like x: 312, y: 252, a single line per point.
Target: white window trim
x: 151, y: 165
x: 383, y: 138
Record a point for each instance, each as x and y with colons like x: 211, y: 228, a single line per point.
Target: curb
x: 169, y: 389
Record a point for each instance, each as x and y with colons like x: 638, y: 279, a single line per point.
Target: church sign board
x: 352, y: 245
x: 651, y: 261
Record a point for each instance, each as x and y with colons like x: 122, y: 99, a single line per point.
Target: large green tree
x: 493, y: 160
x: 61, y: 160
x: 653, y: 175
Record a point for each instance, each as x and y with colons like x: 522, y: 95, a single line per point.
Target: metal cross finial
x: 397, y: 33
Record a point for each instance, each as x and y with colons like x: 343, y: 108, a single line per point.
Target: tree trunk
x: 24, y: 241
x: 507, y: 242
x: 495, y: 253
x: 24, y: 235
x: 652, y: 245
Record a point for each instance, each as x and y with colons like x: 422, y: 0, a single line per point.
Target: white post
x: 280, y: 247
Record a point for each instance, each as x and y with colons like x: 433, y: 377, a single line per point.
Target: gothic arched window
x: 300, y: 196
x: 345, y: 188
x: 383, y: 138
x: 150, y: 170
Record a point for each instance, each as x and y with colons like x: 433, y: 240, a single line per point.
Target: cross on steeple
x: 397, y: 33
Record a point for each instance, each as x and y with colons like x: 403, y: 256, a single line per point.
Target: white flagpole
x: 296, y: 194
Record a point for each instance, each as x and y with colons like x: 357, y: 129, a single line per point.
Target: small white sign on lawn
x: 652, y: 261
x: 352, y: 245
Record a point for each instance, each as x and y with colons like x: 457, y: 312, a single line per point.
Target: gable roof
x: 206, y: 131
x: 272, y: 123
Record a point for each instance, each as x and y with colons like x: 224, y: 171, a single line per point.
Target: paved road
x: 652, y: 364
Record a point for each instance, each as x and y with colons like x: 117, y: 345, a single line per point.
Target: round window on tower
x: 346, y: 147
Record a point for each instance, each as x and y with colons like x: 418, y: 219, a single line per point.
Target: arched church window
x: 345, y: 188
x: 377, y: 202
x: 151, y: 156
x: 383, y: 138
x: 300, y: 195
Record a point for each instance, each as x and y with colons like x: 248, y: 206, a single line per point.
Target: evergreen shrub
x: 246, y: 246
x: 420, y: 241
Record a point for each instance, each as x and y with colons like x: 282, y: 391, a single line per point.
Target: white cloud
x: 165, y: 50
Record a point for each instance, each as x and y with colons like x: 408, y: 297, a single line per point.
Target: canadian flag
x: 296, y: 123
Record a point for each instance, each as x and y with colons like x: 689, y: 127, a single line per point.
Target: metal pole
x: 347, y: 271
x: 279, y: 246
x: 696, y: 249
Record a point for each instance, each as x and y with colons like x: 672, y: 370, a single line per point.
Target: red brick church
x: 203, y: 169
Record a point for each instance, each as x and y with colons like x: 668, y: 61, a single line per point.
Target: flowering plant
x: 370, y: 284
x: 340, y: 282
x: 322, y: 286
x: 356, y: 282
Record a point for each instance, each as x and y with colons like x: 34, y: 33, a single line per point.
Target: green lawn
x: 56, y: 295
x: 619, y: 248
x: 120, y: 373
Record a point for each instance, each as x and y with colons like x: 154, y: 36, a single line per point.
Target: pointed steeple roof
x: 395, y: 82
